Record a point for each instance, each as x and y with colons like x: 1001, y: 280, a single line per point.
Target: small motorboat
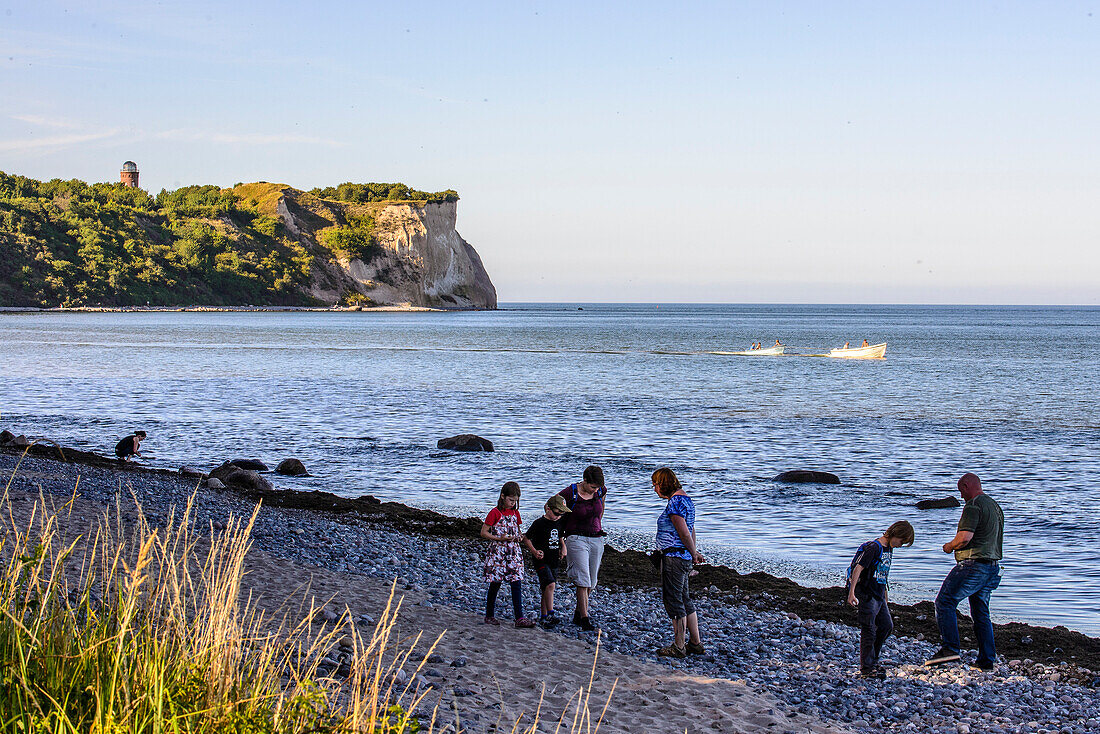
x: 769, y: 352
x: 874, y: 351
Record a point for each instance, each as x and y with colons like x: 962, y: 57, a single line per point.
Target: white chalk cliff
x: 423, y: 260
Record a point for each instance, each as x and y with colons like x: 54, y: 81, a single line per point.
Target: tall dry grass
x: 131, y: 628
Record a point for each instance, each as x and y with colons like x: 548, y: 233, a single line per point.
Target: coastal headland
x: 257, y: 245
x: 788, y: 648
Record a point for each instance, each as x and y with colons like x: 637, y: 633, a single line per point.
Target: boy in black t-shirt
x: 867, y: 590
x: 543, y: 539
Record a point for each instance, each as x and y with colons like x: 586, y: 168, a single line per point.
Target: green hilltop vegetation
x: 72, y: 244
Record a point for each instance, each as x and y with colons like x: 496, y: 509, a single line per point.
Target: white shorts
x: 583, y: 556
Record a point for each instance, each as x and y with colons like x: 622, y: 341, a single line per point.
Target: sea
x: 1009, y: 393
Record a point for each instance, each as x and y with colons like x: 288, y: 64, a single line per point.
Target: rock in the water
x: 5, y: 436
x: 186, y: 471
x: 248, y: 479
x: 937, y: 504
x: 465, y: 442
x: 805, y: 476
x: 232, y: 475
x: 292, y: 468
x: 250, y: 464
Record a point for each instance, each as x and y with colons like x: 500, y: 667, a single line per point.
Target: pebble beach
x: 765, y: 668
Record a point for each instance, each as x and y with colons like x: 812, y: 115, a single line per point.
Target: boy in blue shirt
x: 867, y: 590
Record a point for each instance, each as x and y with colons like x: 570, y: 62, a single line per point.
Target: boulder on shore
x: 805, y: 476
x: 292, y: 468
x: 9, y: 439
x: 215, y: 484
x: 233, y: 475
x: 465, y: 442
x: 250, y: 464
x: 937, y: 504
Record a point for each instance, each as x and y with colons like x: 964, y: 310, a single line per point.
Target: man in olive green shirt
x: 977, y: 572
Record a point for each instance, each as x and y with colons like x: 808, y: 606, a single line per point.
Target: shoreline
x: 632, y: 570
x: 395, y: 308
x: 799, y: 667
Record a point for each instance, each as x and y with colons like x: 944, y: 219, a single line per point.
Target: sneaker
x: 672, y: 652
x: 549, y: 620
x: 876, y: 673
x: 943, y: 655
x: 987, y: 667
x: 587, y: 625
x: 694, y: 648
x: 492, y: 620
x: 524, y: 623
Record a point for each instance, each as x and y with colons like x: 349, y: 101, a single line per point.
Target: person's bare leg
x: 548, y: 599
x: 693, y: 628
x: 582, y: 601
x: 678, y: 632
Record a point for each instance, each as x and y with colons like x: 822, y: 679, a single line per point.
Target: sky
x: 742, y: 152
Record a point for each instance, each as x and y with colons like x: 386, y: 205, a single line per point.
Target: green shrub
x: 354, y: 241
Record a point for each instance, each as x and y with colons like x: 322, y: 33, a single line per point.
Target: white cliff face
x: 424, y: 262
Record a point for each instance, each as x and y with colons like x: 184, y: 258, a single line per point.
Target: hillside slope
x: 68, y: 243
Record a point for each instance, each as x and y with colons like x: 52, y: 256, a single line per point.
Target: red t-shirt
x: 496, y: 515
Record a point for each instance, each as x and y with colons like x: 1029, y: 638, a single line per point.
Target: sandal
x: 492, y: 620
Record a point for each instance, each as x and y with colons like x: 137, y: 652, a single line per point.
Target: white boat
x: 875, y: 351
x: 769, y: 352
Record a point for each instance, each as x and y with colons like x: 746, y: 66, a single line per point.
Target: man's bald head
x: 970, y: 486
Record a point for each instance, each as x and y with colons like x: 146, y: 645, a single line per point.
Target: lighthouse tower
x: 130, y: 174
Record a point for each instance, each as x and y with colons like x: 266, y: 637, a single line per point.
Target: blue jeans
x: 977, y: 581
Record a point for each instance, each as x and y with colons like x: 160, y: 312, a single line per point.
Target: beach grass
x: 134, y: 628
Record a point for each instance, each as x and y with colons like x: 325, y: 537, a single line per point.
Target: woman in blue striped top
x: 676, y: 541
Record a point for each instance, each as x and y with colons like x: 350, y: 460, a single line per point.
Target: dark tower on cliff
x: 130, y: 174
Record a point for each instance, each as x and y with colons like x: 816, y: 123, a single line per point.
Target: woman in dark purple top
x: 583, y: 532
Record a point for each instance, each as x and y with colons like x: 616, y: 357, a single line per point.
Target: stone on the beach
x: 215, y: 484
x: 806, y: 476
x: 17, y: 442
x: 465, y: 442
x: 5, y: 437
x: 938, y: 504
x: 250, y: 464
x: 186, y: 471
x: 291, y: 468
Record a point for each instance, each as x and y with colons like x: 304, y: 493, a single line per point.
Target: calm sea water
x: 361, y: 398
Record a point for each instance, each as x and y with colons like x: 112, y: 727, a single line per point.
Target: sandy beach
x: 484, y: 678
x: 767, y: 669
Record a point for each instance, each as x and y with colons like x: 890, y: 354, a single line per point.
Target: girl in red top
x: 504, y: 561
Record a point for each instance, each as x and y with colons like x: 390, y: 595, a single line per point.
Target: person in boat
x: 845, y: 345
x: 865, y: 344
x: 777, y: 343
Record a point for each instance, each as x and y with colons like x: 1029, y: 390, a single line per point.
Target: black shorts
x: 547, y: 575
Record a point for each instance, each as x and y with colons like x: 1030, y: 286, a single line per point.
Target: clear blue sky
x: 723, y: 152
